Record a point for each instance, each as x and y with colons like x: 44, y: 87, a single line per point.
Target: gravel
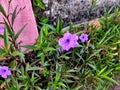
x: 76, y: 11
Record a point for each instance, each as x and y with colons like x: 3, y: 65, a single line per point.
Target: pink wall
x: 26, y: 16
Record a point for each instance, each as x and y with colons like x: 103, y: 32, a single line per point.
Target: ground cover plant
x: 81, y: 57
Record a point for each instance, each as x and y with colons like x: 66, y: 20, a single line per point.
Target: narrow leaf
x: 14, y: 15
x: 33, y: 69
x: 59, y: 26
x: 101, y: 71
x: 107, y: 72
x: 6, y: 40
x: 95, y: 53
x: 8, y: 27
x: 109, y: 79
x: 2, y: 10
x: 20, y: 31
x: 28, y: 46
x: 61, y: 84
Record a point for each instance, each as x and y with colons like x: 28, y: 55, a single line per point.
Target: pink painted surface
x: 26, y: 16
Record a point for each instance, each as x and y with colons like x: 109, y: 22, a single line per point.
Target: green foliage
x: 39, y: 4
x: 90, y: 66
x: 2, y: 10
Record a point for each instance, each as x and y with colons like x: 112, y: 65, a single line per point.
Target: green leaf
x: 71, y: 71
x: 28, y: 46
x: 2, y: 52
x: 33, y: 69
x: 61, y: 84
x: 41, y: 35
x: 109, y: 79
x: 11, y: 32
x: 78, y: 87
x: 71, y: 76
x: 117, y: 68
x: 71, y: 26
x: 100, y: 80
x: 2, y: 10
x: 95, y: 53
x: 49, y: 26
x: 59, y: 25
x: 29, y: 68
x: 12, y: 64
x: 65, y: 57
x: 107, y: 72
x: 22, y: 70
x: 7, y: 85
x: 16, y: 53
x: 37, y: 88
x: 57, y: 77
x: 45, y: 30
x: 6, y: 39
x: 49, y: 49
x: 39, y: 4
x: 101, y: 71
x: 43, y: 20
x: 20, y: 31
x: 93, y: 67
x: 14, y: 82
x: 12, y: 49
x: 105, y: 36
x: 14, y: 15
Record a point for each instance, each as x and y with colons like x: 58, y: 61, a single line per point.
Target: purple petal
x: 61, y: 41
x: 1, y: 29
x: 4, y: 71
x: 83, y: 37
x: 68, y: 41
x: 5, y: 67
x: 66, y: 47
x: 4, y: 76
x: 66, y: 35
x: 75, y: 37
x: 8, y: 72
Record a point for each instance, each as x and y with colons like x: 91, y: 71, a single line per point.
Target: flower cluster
x: 4, y: 71
x: 69, y: 40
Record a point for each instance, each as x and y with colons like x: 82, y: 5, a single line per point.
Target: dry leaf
x: 94, y: 22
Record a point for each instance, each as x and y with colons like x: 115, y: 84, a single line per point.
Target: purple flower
x: 68, y: 41
x: 1, y: 29
x: 4, y: 71
x: 83, y: 37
